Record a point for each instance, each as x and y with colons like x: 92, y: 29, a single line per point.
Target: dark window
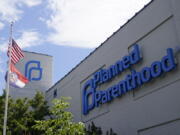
x: 55, y: 93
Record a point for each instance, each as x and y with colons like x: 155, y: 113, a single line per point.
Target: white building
x: 38, y: 69
x: 152, y: 105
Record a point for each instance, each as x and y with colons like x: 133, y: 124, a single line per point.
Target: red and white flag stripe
x: 16, y: 79
x: 16, y: 52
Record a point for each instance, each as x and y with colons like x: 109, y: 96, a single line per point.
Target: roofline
x: 38, y: 53
x: 101, y: 44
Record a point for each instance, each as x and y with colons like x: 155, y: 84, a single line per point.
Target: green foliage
x: 94, y: 130
x: 33, y: 117
x: 22, y: 114
x: 18, y: 116
x: 61, y: 121
x: 2, y: 97
x: 38, y: 111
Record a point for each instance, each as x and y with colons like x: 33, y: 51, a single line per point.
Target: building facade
x: 131, y: 82
x: 37, y: 68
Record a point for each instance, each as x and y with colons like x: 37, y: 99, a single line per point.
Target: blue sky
x: 66, y: 29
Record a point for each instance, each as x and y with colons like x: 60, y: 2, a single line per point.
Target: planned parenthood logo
x: 31, y: 67
x: 91, y: 97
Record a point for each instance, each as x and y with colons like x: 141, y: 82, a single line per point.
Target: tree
x: 93, y: 130
x: 38, y: 111
x: 18, y: 116
x: 2, y: 98
x: 61, y: 122
x: 22, y: 114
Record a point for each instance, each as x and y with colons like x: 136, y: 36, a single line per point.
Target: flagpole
x: 7, y: 83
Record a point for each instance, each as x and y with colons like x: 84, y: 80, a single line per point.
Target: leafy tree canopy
x: 61, y: 123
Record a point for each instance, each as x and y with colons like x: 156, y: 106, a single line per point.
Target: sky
x: 66, y: 29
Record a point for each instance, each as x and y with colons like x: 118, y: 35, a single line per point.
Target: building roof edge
x: 38, y: 53
x: 102, y: 44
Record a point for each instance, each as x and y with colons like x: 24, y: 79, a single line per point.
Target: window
x: 55, y: 93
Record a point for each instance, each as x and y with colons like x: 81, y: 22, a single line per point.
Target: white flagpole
x: 7, y: 83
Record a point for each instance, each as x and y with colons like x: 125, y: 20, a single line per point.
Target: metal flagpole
x: 7, y: 83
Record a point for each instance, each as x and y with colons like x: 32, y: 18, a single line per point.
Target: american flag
x: 16, y: 52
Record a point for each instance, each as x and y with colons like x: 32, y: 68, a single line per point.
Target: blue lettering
x: 145, y: 74
x: 96, y: 79
x: 115, y: 91
x: 104, y: 97
x: 136, y: 79
x: 85, y: 97
x: 112, y: 71
x: 126, y: 62
x: 97, y: 98
x: 122, y: 87
x: 119, y: 66
x: 156, y: 69
x: 109, y: 91
x: 128, y: 82
x: 168, y: 62
x: 105, y: 75
x: 135, y: 55
x: 92, y: 98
